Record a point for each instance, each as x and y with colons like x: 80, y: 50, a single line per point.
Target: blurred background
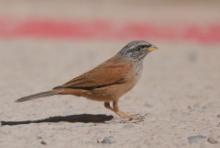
x: 73, y: 35
x: 44, y: 43
x: 171, y: 20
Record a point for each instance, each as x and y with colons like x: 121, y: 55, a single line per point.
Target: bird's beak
x: 151, y: 48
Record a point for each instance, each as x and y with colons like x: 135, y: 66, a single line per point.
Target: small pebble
x: 107, y: 140
x: 212, y: 140
x: 195, y: 139
x: 43, y: 142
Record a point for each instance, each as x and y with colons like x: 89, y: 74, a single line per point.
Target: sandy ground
x: 178, y: 92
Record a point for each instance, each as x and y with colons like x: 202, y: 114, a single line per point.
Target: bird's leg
x: 123, y: 115
x: 107, y: 105
x: 127, y: 117
x: 118, y: 112
x: 115, y: 109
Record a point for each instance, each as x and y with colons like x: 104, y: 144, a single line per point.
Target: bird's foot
x: 128, y: 118
x: 136, y: 118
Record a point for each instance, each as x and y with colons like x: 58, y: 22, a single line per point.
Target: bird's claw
x: 136, y: 118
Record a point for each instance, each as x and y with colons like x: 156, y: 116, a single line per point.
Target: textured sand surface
x: 179, y: 92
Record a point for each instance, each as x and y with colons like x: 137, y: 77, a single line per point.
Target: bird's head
x: 136, y: 50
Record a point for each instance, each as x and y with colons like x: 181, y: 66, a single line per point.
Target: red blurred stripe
x: 108, y: 30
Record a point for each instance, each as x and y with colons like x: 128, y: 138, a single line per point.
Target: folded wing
x: 112, y: 72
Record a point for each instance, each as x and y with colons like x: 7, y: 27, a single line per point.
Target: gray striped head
x: 136, y: 50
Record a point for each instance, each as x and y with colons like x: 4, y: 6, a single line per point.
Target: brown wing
x: 113, y: 71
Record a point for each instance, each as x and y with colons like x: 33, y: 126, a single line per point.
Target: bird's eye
x: 140, y: 48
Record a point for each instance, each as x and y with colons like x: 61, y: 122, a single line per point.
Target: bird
x: 108, y: 81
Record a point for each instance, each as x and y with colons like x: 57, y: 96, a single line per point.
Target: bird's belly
x: 110, y: 93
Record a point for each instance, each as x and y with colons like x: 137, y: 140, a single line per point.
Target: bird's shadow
x: 83, y: 118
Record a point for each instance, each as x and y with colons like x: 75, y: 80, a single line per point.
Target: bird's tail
x: 37, y: 96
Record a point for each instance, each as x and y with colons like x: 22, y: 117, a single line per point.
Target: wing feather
x: 114, y: 71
